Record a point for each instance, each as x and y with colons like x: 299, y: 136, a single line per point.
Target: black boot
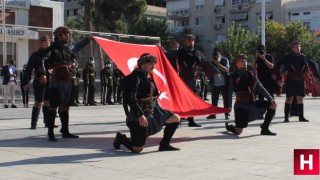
x: 287, y: 109
x: 45, y: 111
x: 118, y: 140
x: 50, y: 123
x: 230, y: 128
x: 64, y: 117
x: 267, y: 120
x: 301, y: 113
x: 168, y: 132
x: 192, y: 123
x: 34, y: 117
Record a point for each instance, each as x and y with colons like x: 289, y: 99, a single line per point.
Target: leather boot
x: 301, y: 113
x: 168, y: 132
x: 64, y: 117
x: 192, y: 123
x: 267, y: 120
x: 34, y: 117
x: 50, y: 123
x: 287, y: 109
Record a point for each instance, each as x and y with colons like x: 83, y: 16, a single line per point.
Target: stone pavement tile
x: 17, y: 174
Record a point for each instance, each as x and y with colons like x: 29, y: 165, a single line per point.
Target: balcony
x: 178, y: 14
x: 179, y: 29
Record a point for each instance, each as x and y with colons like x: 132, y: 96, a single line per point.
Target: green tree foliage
x: 275, y: 39
x: 114, y: 15
x: 238, y: 40
x: 151, y: 27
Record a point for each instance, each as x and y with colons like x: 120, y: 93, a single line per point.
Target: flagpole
x: 4, y: 52
x: 263, y: 22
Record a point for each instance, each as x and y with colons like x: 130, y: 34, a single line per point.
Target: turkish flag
x: 175, y: 95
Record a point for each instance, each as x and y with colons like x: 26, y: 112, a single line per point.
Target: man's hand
x: 26, y: 87
x: 12, y: 75
x: 43, y: 79
x: 273, y: 104
x: 143, y: 121
x: 218, y: 75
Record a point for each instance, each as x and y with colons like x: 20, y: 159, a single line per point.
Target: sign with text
x: 18, y: 4
x: 21, y: 33
x: 306, y: 162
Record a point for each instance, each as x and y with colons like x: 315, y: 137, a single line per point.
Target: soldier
x: 24, y: 93
x: 246, y: 109
x: 60, y: 85
x: 75, y: 75
x: 189, y: 60
x: 296, y: 64
x: 89, y: 76
x: 106, y: 77
x: 117, y: 85
x: 37, y: 65
x: 146, y: 117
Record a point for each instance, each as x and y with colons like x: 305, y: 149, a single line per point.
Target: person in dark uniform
x: 117, y: 85
x: 75, y: 75
x: 244, y: 83
x: 219, y: 81
x: 24, y: 93
x: 89, y: 77
x: 189, y: 60
x: 37, y: 64
x: 296, y: 65
x: 263, y: 65
x: 203, y: 85
x: 172, y: 55
x: 106, y: 77
x: 60, y: 55
x: 146, y: 117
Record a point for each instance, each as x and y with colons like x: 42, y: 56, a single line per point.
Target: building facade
x: 20, y: 15
x: 209, y: 20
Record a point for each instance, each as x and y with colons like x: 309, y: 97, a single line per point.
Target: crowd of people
x: 56, y: 80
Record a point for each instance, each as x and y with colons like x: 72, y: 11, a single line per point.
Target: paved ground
x: 207, y: 153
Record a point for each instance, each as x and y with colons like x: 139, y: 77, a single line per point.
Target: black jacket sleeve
x: 132, y: 90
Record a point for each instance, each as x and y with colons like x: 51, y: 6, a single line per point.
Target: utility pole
x: 263, y: 22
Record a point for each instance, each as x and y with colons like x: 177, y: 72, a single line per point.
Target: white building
x: 308, y: 11
x: 22, y: 41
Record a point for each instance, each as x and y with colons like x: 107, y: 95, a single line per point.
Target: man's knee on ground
x: 239, y: 131
x: 136, y: 149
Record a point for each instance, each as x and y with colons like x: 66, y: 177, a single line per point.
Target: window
x: 199, y: 5
x: 199, y: 20
x: 307, y: 24
x: 306, y: 13
x: 199, y: 38
x: 221, y: 37
x: 220, y: 19
x: 237, y: 2
x: 75, y: 12
x: 295, y: 14
x: 67, y: 12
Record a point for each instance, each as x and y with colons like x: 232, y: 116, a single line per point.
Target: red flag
x: 175, y: 95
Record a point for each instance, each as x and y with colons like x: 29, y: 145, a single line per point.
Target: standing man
x: 172, y: 55
x: 9, y: 82
x: 75, y: 75
x: 60, y: 57
x: 24, y: 93
x: 219, y: 81
x: 189, y: 60
x: 146, y: 117
x: 117, y: 82
x: 246, y: 109
x: 296, y: 64
x: 106, y: 76
x: 263, y: 65
x: 89, y: 83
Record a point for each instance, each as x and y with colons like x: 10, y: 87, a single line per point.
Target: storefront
x: 25, y: 21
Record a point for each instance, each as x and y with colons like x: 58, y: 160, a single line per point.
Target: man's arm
x: 277, y: 68
x: 314, y: 68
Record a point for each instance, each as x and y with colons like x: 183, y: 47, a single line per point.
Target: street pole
x: 4, y: 48
x: 263, y: 22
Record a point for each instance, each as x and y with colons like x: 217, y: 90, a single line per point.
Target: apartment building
x: 308, y: 11
x: 209, y: 20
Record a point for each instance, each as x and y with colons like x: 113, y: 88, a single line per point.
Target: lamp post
x: 263, y: 22
x: 4, y: 48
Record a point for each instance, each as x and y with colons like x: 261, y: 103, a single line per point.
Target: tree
x: 276, y: 43
x: 152, y: 27
x: 114, y: 15
x: 238, y: 40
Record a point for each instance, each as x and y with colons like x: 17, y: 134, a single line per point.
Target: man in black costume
x: 146, y: 117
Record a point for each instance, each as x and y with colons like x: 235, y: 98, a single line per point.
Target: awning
x: 218, y: 3
x: 239, y: 16
x: 20, y: 33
